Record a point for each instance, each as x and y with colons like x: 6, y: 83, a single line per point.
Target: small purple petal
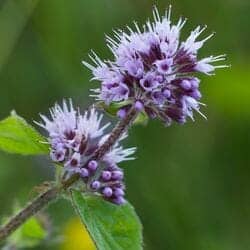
x: 134, y: 68
x: 149, y: 82
x: 164, y: 66
x: 115, y: 92
x: 57, y: 156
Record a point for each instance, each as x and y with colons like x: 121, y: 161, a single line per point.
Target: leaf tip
x: 13, y: 112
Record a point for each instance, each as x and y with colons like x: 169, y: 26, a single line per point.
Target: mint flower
x: 153, y: 70
x: 74, y: 138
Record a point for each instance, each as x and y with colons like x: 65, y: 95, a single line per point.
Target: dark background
x: 190, y: 184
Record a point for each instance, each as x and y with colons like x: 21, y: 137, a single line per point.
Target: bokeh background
x: 190, y: 184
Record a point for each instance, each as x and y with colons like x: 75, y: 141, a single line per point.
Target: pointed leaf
x: 110, y: 226
x: 17, y: 136
x: 29, y: 234
x: 141, y: 119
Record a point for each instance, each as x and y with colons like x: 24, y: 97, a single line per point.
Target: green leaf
x: 17, y: 136
x: 141, y: 119
x: 111, y: 227
x: 113, y: 107
x: 30, y: 234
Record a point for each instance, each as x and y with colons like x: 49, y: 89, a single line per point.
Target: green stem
x: 32, y: 208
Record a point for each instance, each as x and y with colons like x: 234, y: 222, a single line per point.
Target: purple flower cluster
x: 74, y: 138
x: 108, y: 181
x: 153, y: 70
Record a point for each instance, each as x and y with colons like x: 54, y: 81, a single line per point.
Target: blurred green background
x: 190, y: 184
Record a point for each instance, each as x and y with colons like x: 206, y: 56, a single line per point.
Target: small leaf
x: 17, y: 136
x: 110, y: 226
x: 113, y: 107
x: 29, y: 235
x: 141, y: 119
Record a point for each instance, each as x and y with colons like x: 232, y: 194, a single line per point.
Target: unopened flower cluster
x: 154, y: 70
x: 74, y: 138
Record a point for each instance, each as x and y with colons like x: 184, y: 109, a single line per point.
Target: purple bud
x: 119, y: 200
x: 106, y: 175
x: 117, y: 175
x: 121, y: 113
x: 107, y: 192
x: 84, y: 172
x: 118, y: 192
x: 92, y: 165
x: 95, y: 185
x: 166, y: 93
x: 196, y: 94
x: 195, y: 83
x: 139, y: 106
x: 186, y: 85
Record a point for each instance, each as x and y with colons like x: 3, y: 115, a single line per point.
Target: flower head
x: 151, y: 65
x: 74, y: 138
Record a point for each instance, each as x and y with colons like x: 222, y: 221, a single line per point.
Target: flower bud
x: 107, y: 192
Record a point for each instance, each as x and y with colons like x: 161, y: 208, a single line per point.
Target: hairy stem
x: 32, y: 208
x: 116, y: 133
x: 42, y: 200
